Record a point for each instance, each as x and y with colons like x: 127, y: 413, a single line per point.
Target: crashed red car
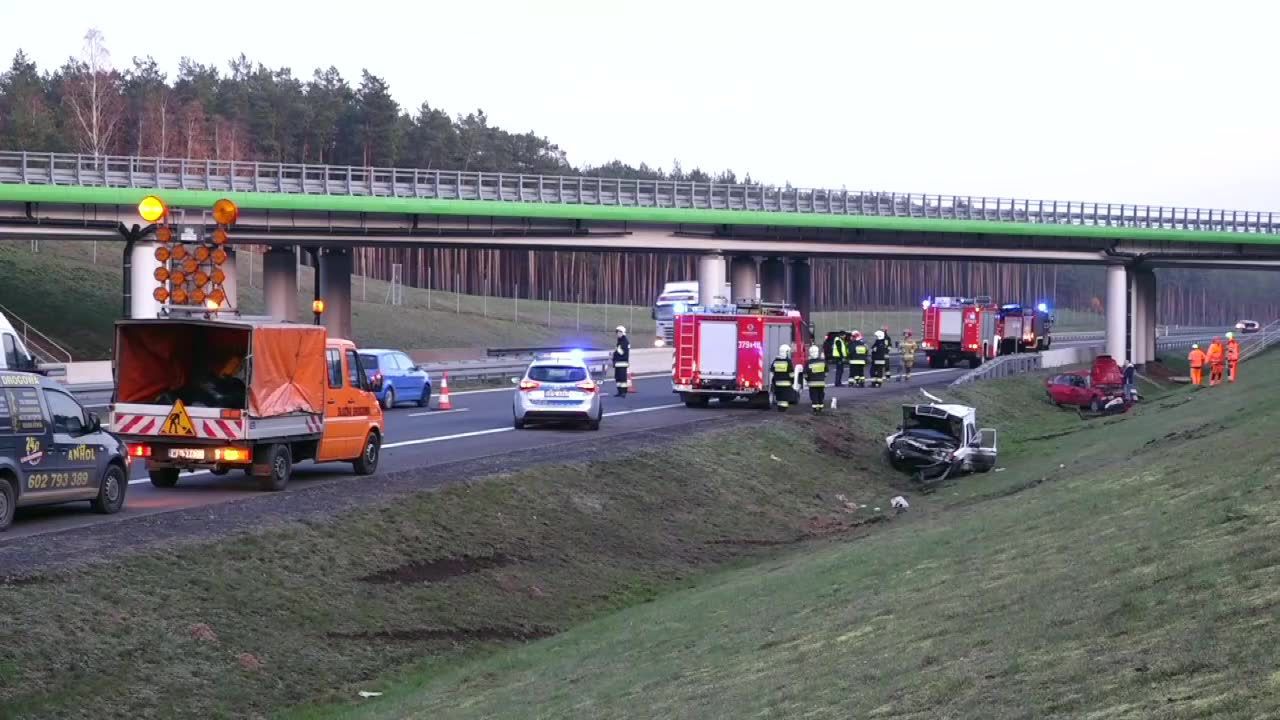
x: 1100, y: 388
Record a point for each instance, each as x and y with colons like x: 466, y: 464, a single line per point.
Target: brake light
x: 527, y: 385
x: 232, y: 455
x: 588, y: 386
x: 140, y: 451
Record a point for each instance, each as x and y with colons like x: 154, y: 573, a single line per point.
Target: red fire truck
x: 724, y: 351
x: 1024, y: 329
x: 959, y: 329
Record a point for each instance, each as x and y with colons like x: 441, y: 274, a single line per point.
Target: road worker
x: 1196, y: 361
x: 1233, y: 356
x: 858, y: 357
x: 909, y: 348
x: 622, y: 363
x: 782, y: 378
x: 1216, y: 357
x: 839, y: 356
x: 815, y: 376
x: 879, y: 359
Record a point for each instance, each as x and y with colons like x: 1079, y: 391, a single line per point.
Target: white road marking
x: 640, y: 410
x: 442, y: 438
x: 439, y: 412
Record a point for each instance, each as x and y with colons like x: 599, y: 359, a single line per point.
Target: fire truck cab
x: 959, y: 329
x: 724, y: 351
x: 1024, y: 329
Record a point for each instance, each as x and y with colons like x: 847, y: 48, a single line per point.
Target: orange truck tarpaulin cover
x: 288, y: 370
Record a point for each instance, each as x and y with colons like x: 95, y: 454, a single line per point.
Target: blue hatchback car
x: 402, y: 380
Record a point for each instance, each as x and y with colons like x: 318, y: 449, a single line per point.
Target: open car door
x: 984, y: 456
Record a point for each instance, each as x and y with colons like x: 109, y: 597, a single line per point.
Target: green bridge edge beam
x: 192, y: 199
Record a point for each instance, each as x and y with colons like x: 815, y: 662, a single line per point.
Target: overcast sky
x: 1146, y: 102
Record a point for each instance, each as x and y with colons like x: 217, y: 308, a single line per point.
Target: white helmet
x: 784, y: 350
x: 813, y: 352
x: 879, y: 334
x: 621, y: 329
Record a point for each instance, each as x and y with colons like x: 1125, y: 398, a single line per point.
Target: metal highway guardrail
x: 248, y: 176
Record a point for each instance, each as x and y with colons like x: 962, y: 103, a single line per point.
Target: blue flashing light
x: 924, y: 304
x: 1043, y: 307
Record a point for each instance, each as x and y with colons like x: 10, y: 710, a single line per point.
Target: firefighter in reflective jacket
x: 782, y: 379
x: 879, y: 359
x: 815, y: 376
x: 839, y: 356
x: 909, y: 348
x: 622, y: 363
x: 858, y: 356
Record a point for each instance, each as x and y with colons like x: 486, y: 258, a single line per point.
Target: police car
x: 557, y: 388
x: 53, y: 451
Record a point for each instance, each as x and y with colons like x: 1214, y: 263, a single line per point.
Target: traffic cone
x: 631, y: 381
x: 445, y: 402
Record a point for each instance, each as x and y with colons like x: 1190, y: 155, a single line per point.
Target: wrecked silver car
x: 938, y: 439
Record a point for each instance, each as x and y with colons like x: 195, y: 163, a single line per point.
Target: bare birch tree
x: 94, y: 96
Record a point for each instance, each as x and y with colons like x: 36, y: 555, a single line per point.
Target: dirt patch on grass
x: 434, y: 571
x: 454, y: 635
x: 837, y: 440
x: 818, y: 526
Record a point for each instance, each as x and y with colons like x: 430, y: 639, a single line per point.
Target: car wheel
x: 111, y: 491
x: 517, y: 423
x: 164, y: 477
x: 974, y: 362
x: 425, y: 400
x: 8, y: 502
x: 367, y: 463
x: 594, y: 423
x: 279, y: 469
x: 389, y: 400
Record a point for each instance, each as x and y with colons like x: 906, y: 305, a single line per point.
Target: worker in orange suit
x: 1216, y: 357
x: 1196, y: 360
x: 1233, y: 356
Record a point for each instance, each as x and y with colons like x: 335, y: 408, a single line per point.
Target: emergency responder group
x: 1220, y: 356
x: 866, y: 364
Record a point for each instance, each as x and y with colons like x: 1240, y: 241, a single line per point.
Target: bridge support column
x: 802, y: 287
x: 744, y: 278
x: 142, y: 282
x: 280, y: 283
x: 773, y: 281
x: 711, y: 279
x: 1117, y: 311
x: 1141, y: 317
x: 335, y: 290
x: 1149, y: 283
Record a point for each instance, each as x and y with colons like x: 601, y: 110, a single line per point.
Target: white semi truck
x: 678, y: 297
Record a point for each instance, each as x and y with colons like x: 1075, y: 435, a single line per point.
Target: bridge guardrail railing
x: 1000, y: 367
x: 296, y: 178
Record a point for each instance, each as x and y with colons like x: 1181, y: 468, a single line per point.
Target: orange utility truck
x: 217, y: 395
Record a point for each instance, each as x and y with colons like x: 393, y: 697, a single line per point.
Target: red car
x: 1096, y: 388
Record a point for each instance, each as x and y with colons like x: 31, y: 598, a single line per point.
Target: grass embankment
x: 67, y: 294
x: 1126, y: 567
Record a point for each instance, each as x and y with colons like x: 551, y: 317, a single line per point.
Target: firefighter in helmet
x: 909, y: 347
x: 858, y: 356
x: 622, y: 363
x: 879, y: 359
x: 782, y: 378
x: 815, y: 376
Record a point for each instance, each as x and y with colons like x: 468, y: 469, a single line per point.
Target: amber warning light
x: 152, y: 209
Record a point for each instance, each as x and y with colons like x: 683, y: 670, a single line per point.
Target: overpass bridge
x: 750, y: 233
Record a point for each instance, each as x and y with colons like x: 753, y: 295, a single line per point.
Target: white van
x: 13, y: 354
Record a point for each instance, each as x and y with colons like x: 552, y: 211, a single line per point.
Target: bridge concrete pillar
x: 711, y: 279
x: 743, y: 277
x: 1148, y: 287
x: 802, y: 287
x: 142, y: 283
x: 1137, y: 319
x: 1117, y: 312
x: 335, y: 290
x: 280, y: 283
x: 773, y: 281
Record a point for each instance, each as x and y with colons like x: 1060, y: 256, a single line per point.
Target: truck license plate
x: 187, y: 453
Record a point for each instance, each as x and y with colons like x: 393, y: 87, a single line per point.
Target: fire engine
x: 725, y: 351
x: 1024, y: 329
x: 959, y: 329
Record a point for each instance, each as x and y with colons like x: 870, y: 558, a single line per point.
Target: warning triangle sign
x: 178, y: 422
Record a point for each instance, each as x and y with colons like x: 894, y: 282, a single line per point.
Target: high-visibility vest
x: 838, y: 349
x: 1233, y: 350
x: 816, y: 373
x: 782, y: 372
x: 1215, y: 354
x: 1196, y: 358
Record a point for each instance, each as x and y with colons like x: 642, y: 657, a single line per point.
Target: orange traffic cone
x: 445, y: 402
x: 631, y: 381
